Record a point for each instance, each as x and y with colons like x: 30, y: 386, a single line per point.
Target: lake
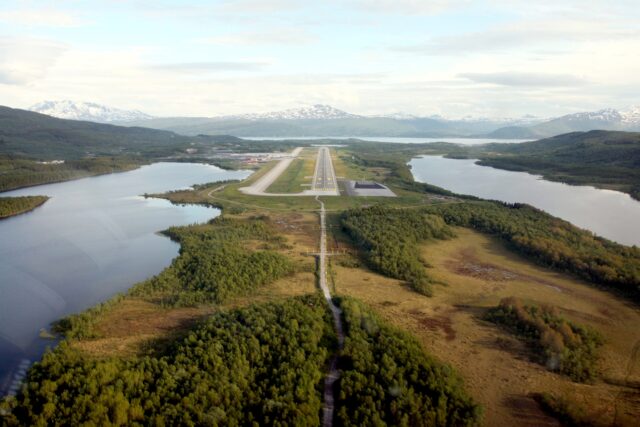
x: 607, y: 213
x: 94, y: 238
x: 399, y: 140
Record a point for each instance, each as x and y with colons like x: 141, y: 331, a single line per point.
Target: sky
x: 493, y: 58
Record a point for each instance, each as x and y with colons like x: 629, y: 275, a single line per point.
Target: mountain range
x: 325, y: 121
x: 87, y: 111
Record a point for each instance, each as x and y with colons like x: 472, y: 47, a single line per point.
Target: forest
x: 10, y: 206
x: 263, y: 364
x: 20, y: 172
x: 387, y: 379
x: 551, y: 242
x: 389, y: 239
x: 561, y: 345
x: 259, y: 365
x: 214, y: 264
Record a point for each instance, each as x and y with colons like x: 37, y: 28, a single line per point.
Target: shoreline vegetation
x: 602, y: 159
x: 13, y: 206
x: 17, y: 173
x: 569, y: 175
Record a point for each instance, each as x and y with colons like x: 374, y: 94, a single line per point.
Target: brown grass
x: 498, y: 370
x: 137, y: 326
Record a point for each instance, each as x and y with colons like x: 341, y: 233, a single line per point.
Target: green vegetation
x: 18, y: 173
x: 551, y: 242
x: 81, y: 325
x: 215, y: 263
x: 293, y: 177
x: 263, y: 364
x: 605, y: 159
x: 386, y: 378
x: 567, y: 412
x: 287, y: 182
x: 562, y: 345
x: 10, y: 206
x: 394, y: 158
x: 390, y: 237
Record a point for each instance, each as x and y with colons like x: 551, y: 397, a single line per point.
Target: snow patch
x: 87, y: 111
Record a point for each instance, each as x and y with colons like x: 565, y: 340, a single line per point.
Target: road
x: 334, y: 373
x: 324, y: 177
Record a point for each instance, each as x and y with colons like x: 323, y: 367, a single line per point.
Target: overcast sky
x: 491, y: 58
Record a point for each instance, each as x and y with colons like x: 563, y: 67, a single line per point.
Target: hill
x: 606, y: 119
x: 607, y: 159
x: 29, y: 134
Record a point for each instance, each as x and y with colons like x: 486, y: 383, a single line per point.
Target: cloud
x: 410, y: 7
x: 207, y: 67
x: 257, y: 6
x: 281, y: 36
x: 228, y: 10
x: 521, y: 34
x: 39, y: 18
x: 512, y: 78
x: 23, y: 61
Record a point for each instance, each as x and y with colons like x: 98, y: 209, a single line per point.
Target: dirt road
x: 334, y: 373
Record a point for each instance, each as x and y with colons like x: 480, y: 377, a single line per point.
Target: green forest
x: 551, y: 242
x: 214, y: 264
x: 10, y: 206
x: 260, y: 365
x: 18, y: 173
x: 562, y: 346
x: 387, y: 379
x: 390, y: 237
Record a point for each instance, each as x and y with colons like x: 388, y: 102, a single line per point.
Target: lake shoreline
x: 113, y: 240
x: 561, y: 178
x: 26, y: 210
x: 608, y: 213
x: 82, y: 176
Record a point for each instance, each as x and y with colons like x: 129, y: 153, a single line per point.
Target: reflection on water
x: 607, y: 213
x: 94, y: 238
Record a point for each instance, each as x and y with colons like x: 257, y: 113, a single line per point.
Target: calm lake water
x: 462, y: 141
x: 607, y: 213
x: 94, y: 238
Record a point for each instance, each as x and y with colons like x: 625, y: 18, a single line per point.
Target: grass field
x: 478, y: 271
x: 298, y: 176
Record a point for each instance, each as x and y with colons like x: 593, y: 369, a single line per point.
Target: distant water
x: 94, y: 238
x: 462, y: 141
x: 607, y: 213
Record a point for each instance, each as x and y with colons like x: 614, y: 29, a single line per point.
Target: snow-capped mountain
x: 631, y: 116
x: 87, y: 111
x: 607, y: 115
x: 315, y: 112
x: 605, y: 119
